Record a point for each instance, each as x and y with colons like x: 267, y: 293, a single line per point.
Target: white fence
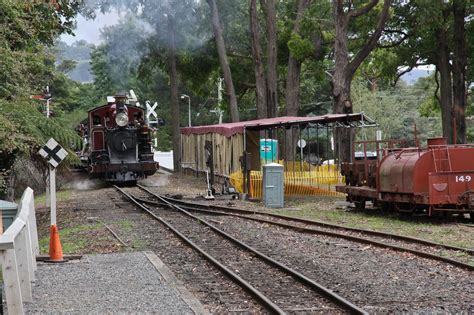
x: 164, y: 158
x: 18, y: 249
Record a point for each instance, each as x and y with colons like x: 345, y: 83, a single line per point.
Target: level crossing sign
x: 53, y: 152
x: 150, y: 111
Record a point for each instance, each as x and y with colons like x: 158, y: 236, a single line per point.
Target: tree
x: 434, y: 32
x: 345, y: 66
x: 27, y: 66
x: 459, y: 65
x: 171, y: 64
x: 294, y: 66
x: 221, y: 50
x: 259, y: 68
x: 272, y: 74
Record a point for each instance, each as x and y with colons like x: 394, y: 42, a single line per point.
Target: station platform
x: 119, y: 283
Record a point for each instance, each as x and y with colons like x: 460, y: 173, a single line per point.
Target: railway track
x: 457, y: 256
x: 279, y: 288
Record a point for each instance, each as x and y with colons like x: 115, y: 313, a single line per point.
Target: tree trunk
x: 261, y: 88
x: 293, y: 83
x: 345, y: 68
x: 216, y: 26
x: 272, y: 75
x: 341, y: 81
x: 459, y: 70
x: 445, y: 82
x: 176, y: 137
x: 294, y: 68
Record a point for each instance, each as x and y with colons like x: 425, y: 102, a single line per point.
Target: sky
x: 89, y: 30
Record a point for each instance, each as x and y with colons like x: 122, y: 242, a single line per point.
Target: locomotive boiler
x: 438, y: 179
x: 118, y: 143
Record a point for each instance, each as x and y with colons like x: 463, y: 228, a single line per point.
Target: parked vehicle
x: 437, y: 179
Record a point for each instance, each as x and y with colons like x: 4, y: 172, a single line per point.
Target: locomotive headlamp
x: 121, y: 119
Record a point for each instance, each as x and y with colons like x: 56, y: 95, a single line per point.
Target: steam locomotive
x: 117, y: 143
x: 437, y: 179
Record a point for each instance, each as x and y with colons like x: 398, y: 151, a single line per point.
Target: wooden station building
x: 228, y: 142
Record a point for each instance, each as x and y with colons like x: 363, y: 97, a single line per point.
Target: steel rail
x: 267, y: 303
x: 329, y: 294
x: 329, y: 225
x: 422, y: 254
x: 358, y: 239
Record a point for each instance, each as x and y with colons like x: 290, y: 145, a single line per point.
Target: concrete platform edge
x: 170, y: 278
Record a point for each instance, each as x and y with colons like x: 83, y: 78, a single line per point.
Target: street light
x: 183, y: 96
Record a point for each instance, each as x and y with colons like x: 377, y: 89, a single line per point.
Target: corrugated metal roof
x: 229, y: 129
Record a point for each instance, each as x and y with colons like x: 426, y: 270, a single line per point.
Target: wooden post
x: 52, y: 188
x: 33, y: 230
x: 1, y: 221
x: 11, y: 281
x: 24, y: 265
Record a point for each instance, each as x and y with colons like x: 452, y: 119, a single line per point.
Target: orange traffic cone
x: 55, y: 249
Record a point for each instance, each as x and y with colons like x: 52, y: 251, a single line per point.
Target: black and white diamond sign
x: 53, y: 152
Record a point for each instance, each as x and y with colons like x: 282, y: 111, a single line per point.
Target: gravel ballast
x: 107, y: 283
x: 380, y: 281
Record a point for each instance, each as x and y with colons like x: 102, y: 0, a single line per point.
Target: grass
x: 61, y: 196
x: 127, y: 226
x: 431, y: 229
x: 71, y: 240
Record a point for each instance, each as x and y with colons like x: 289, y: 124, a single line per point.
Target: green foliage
x: 26, y: 67
x: 300, y: 48
x: 396, y: 110
x: 380, y: 67
x: 430, y: 107
x: 26, y: 24
x: 66, y: 66
x: 24, y: 129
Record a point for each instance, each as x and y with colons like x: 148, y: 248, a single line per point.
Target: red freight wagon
x: 438, y: 178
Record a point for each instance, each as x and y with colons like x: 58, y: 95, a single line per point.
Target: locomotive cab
x: 119, y: 143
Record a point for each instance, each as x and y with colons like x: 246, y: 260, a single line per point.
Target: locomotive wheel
x: 471, y: 217
x: 359, y: 205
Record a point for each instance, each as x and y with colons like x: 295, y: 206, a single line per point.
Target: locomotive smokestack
x: 120, y: 100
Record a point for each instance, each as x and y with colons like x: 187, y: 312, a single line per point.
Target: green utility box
x: 9, y: 211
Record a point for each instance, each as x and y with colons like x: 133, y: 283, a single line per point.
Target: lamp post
x: 183, y: 96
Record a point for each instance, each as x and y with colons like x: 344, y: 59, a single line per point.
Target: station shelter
x: 305, y: 146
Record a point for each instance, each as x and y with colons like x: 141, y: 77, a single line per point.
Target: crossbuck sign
x: 53, y: 152
x: 150, y: 111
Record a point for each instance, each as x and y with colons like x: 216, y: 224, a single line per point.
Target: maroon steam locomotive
x: 438, y: 179
x: 117, y: 143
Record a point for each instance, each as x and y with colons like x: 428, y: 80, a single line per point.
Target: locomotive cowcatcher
x: 118, y: 143
x: 438, y: 179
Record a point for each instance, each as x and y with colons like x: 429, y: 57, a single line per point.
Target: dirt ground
x: 83, y: 195
x: 88, y: 211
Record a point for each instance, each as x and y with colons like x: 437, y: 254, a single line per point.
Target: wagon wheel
x: 388, y: 206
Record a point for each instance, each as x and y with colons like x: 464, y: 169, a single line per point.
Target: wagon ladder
x: 440, y: 155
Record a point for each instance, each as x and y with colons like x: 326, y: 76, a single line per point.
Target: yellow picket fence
x: 298, y: 181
